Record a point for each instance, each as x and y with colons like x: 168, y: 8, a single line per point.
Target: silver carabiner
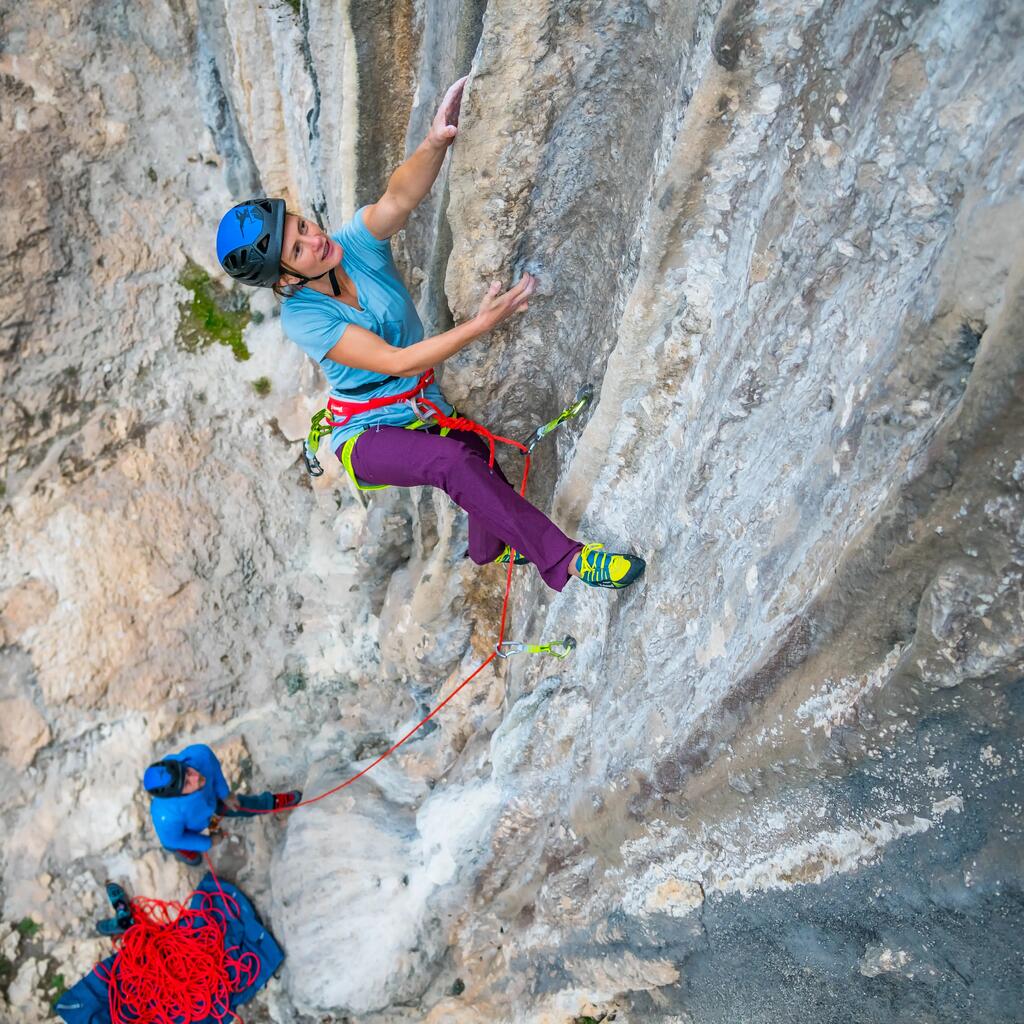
x: 313, y: 467
x: 424, y: 415
x: 509, y: 647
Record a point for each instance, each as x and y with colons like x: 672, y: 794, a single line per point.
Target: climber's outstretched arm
x: 364, y: 350
x: 414, y: 178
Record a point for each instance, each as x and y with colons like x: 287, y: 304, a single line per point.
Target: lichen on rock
x: 212, y: 315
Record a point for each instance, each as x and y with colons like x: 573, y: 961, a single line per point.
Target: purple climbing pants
x: 458, y: 465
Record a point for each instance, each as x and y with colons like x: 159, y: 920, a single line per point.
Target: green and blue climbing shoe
x: 122, y: 908
x: 503, y: 558
x: 112, y: 927
x: 600, y: 568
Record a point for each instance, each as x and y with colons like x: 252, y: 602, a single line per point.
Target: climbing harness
x: 558, y: 648
x: 322, y: 424
x: 503, y: 648
x: 427, y: 415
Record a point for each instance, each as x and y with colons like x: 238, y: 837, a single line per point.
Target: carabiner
x: 424, y: 415
x: 509, y: 647
x: 564, y: 647
x: 313, y: 467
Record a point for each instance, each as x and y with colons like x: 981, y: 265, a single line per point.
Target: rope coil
x: 171, y: 966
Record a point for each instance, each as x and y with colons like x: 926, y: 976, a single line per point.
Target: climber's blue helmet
x: 165, y: 778
x: 249, y: 240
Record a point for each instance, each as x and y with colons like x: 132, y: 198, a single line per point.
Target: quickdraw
x: 579, y: 403
x: 557, y: 648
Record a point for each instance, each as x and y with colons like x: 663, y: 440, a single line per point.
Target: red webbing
x: 346, y: 409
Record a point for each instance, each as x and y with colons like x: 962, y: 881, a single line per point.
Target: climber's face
x: 193, y: 781
x: 306, y: 249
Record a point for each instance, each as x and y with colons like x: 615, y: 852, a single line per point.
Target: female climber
x: 345, y: 305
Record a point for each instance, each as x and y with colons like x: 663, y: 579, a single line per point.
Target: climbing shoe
x: 285, y: 800
x: 503, y: 558
x: 122, y: 908
x: 599, y: 568
x: 111, y: 927
x: 193, y: 858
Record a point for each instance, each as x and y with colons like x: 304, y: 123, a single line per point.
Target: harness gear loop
x: 556, y: 648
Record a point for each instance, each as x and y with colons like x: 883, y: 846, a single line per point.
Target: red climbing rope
x: 465, y: 423
x: 455, y: 423
x: 171, y: 966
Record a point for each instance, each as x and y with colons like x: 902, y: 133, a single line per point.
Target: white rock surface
x: 783, y: 241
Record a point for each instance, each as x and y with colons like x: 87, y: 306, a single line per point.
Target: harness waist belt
x: 342, y: 410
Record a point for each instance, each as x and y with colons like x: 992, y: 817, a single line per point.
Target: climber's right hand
x: 498, y: 306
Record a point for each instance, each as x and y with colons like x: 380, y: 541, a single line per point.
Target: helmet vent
x: 263, y: 244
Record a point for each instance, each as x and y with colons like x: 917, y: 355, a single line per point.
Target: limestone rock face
x: 780, y: 778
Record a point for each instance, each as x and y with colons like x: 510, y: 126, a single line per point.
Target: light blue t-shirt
x: 315, y: 322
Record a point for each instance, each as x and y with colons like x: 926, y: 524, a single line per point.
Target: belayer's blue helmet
x: 165, y: 778
x: 249, y: 240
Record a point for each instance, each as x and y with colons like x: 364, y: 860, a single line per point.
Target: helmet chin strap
x: 331, y: 274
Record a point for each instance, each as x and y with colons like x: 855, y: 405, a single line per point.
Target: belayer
x: 345, y: 305
x: 190, y: 794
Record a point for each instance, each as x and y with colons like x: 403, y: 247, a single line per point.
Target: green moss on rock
x: 212, y: 314
x: 261, y: 385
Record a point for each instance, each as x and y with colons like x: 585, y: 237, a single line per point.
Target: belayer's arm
x: 194, y: 842
x: 415, y: 177
x: 174, y: 836
x: 363, y: 350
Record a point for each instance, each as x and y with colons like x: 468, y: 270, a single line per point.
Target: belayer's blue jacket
x: 180, y: 820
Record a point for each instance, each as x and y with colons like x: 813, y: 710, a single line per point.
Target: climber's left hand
x: 445, y: 125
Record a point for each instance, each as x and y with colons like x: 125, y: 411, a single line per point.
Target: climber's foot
x: 111, y: 926
x: 599, y: 568
x: 503, y: 558
x: 122, y: 908
x: 284, y: 800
